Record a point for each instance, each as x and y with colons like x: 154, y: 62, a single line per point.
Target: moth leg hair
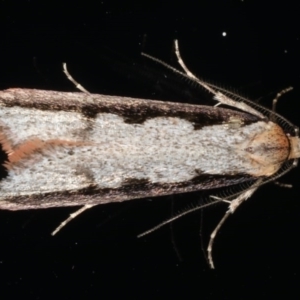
x: 77, y: 84
x: 87, y: 206
x: 275, y: 100
x: 71, y: 217
x: 283, y: 185
x: 234, y: 204
x: 222, y: 98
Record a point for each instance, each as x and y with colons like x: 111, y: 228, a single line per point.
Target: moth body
x: 56, y: 151
x: 82, y: 149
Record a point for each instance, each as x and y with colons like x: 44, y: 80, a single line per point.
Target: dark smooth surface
x: 97, y: 256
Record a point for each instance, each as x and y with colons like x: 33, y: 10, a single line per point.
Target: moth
x: 82, y: 149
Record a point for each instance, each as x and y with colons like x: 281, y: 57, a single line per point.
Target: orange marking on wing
x: 29, y: 147
x: 6, y: 146
x: 25, y: 149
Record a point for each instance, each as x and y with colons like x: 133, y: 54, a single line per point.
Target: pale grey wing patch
x: 21, y: 124
x: 52, y: 170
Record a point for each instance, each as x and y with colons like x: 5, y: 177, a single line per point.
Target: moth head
x: 295, y: 147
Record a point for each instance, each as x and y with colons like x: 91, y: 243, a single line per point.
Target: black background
x: 97, y: 255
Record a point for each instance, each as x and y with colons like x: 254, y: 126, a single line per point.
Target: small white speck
x: 224, y: 33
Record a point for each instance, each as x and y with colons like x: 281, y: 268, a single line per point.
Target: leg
x: 275, y: 100
x: 218, y: 95
x: 217, y: 92
x: 77, y: 85
x: 71, y: 217
x: 234, y: 204
x: 88, y: 206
